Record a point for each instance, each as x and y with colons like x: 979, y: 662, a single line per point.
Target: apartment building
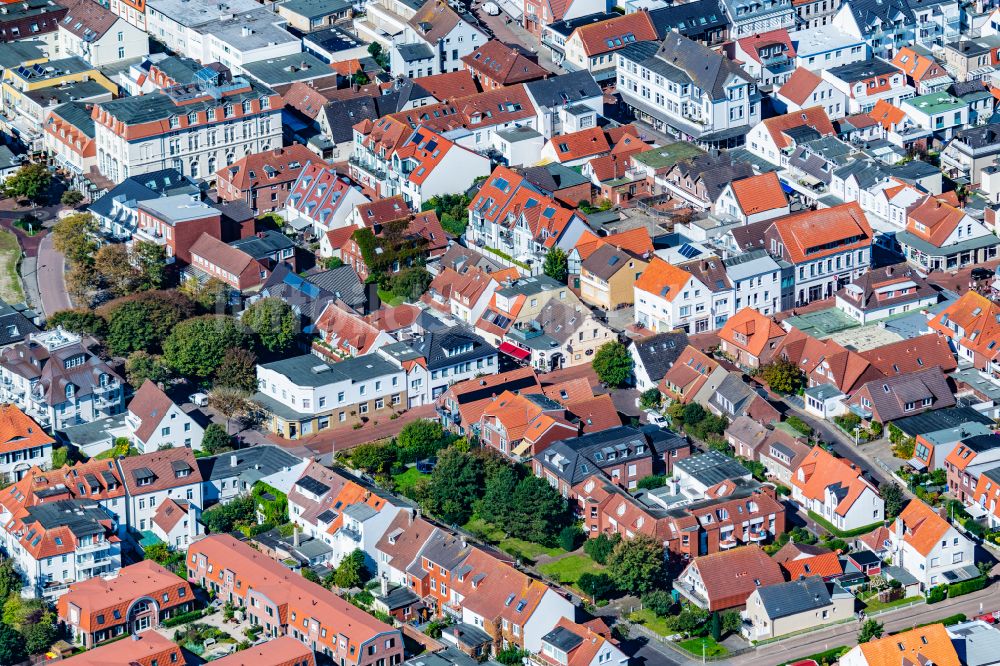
x: 836, y: 490
x: 153, y: 478
x: 195, y: 128
x: 23, y: 444
x: 98, y: 36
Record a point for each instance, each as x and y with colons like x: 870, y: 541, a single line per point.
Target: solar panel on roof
x: 688, y: 251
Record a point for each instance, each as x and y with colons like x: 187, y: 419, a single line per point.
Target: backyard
x: 568, y: 569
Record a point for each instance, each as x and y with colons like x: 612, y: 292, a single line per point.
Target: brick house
x: 523, y: 425
x: 264, y: 180
x: 397, y: 245
x: 177, y: 222
x: 229, y: 264
x: 725, y: 579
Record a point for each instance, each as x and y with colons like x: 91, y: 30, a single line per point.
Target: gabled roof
x: 795, y: 597
x: 688, y: 374
x: 918, y: 66
x: 821, y: 471
x: 345, y: 329
x: 753, y: 44
x: 87, y: 19
x: 217, y: 253
x: 169, y: 468
x: 921, y: 390
x: 730, y: 576
x: 143, y: 649
x: 758, y: 194
x: 811, y: 235
x: 752, y: 331
x: 149, y: 404
x: 978, y: 319
x: 18, y: 431
x: 271, y: 167
x: 662, y: 279
x: 448, y: 85
x: 659, y: 352
x: 934, y: 220
x: 923, y: 528
x: 616, y: 33
x: 434, y: 21
x: 923, y: 645
x: 912, y: 355
x: 799, y: 86
x: 814, y: 118
x: 707, y: 69
x: 503, y: 64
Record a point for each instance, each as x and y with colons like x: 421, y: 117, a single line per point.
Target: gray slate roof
x: 794, y: 597
x: 706, y: 68
x: 264, y: 460
x: 659, y: 352
x: 569, y: 88
x: 889, y: 396
x: 310, y: 370
x: 343, y: 283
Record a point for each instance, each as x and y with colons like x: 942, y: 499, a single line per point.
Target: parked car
x: 655, y: 418
x: 982, y: 273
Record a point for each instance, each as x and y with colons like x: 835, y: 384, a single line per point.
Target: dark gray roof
x: 563, y: 639
x: 468, y: 635
x: 689, y: 18
x: 159, y: 105
x: 449, y: 656
x: 706, y: 68
x: 711, y: 468
x: 81, y: 517
x: 868, y: 12
x: 567, y: 26
x: 310, y: 370
x: 314, y: 486
x: 302, y: 66
x: 13, y: 54
x: 398, y: 597
x: 77, y: 114
x: 941, y: 419
x: 263, y: 244
x: 343, y: 114
x: 576, y: 458
x: 794, y: 597
x: 331, y: 39
x: 864, y: 69
x: 265, y: 460
x: 659, y: 352
x: 716, y: 170
x: 305, y: 298
x: 414, y: 52
x: 557, y: 91
x: 889, y: 396
x: 984, y: 136
x: 14, y: 326
x: 553, y: 177
x: 143, y: 187
x: 343, y: 283
x: 435, y: 347
x: 606, y: 261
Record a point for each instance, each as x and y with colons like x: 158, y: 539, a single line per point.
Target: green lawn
x: 875, y: 605
x: 651, y: 621
x: 408, y: 479
x: 10, y: 281
x: 711, y: 648
x: 527, y: 550
x: 569, y: 569
x: 484, y: 530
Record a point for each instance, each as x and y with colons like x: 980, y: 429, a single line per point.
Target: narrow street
x: 50, y: 275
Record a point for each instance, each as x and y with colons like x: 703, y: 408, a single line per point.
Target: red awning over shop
x: 515, y: 351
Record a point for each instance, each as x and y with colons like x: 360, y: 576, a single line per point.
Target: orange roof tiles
x: 933, y: 220
x: 887, y: 115
x: 351, y: 333
x: 269, y: 168
x: 475, y: 395
x: 503, y: 64
x: 570, y: 390
x: 449, y: 85
x: 616, y: 33
x: 595, y: 414
x: 636, y: 241
x: 761, y: 193
x: 730, y: 576
x: 978, y: 319
x: 923, y: 645
x: 18, y: 431
x: 831, y: 361
x: 662, y: 279
x: 800, y: 85
x: 750, y: 330
x: 577, y: 145
x: 814, y: 117
x: 688, y: 374
x: 143, y: 649
x: 516, y: 414
x: 918, y: 67
x: 814, y: 234
x: 751, y: 45
x: 279, y: 651
x: 99, y: 598
x: 382, y: 211
x: 825, y: 564
x: 821, y: 469
x: 150, y: 404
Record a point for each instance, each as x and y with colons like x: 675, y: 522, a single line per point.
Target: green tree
x: 783, y: 376
x: 79, y: 320
x: 613, y: 364
x: 352, y: 571
x: 379, y: 55
x: 374, y: 457
x: 870, y: 630
x: 144, y: 321
x: 274, y: 322
x: 216, y: 439
x: 71, y: 198
x: 12, y: 645
x: 540, y: 512
x: 652, y: 481
x: 658, y: 601
x: 894, y: 499
x: 19, y: 612
x: 231, y: 402
x: 40, y: 636
x: 360, y: 78
x: 600, y: 548
x: 196, y: 347
x: 452, y: 210
x: 636, y: 565
x: 693, y: 413
x: 76, y: 237
x: 334, y: 262
x: 732, y: 623
x: 150, y: 262
x: 141, y: 365
x: 715, y: 626
x: 456, y: 482
x: 651, y: 398
x: 420, y: 439
x: 210, y: 296
x: 556, y: 265
x: 497, y: 503
x: 158, y: 552
x: 570, y: 537
x: 411, y: 283
x: 238, y: 370
x: 310, y: 575
x: 60, y: 457
x: 596, y: 585
x: 10, y: 579
x: 114, y: 268
x: 30, y: 182
x: 226, y: 517
x: 691, y: 619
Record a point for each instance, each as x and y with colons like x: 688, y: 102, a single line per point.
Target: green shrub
x: 967, y: 586
x: 799, y: 425
x: 570, y: 537
x: 937, y: 594
x: 183, y: 618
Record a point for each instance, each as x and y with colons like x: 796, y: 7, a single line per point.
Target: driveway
x: 50, y: 274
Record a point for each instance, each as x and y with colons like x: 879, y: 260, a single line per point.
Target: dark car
x: 427, y: 465
x: 981, y: 273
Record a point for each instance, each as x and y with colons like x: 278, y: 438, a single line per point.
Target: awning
x: 513, y: 350
x: 975, y: 510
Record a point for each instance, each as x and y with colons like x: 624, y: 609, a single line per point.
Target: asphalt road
x: 50, y: 274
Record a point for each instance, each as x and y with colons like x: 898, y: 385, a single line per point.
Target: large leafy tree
x: 231, y: 402
x: 894, y: 499
x: 636, y: 565
x: 140, y: 366
x: 274, y: 322
x: 76, y: 237
x: 216, y: 439
x: 540, y: 512
x: 556, y: 265
x: 783, y: 376
x: 114, y: 266
x: 420, y: 439
x: 197, y: 347
x: 497, y: 503
x: 870, y: 630
x: 352, y: 571
x: 238, y: 370
x: 150, y: 262
x: 374, y: 457
x: 30, y: 182
x: 456, y: 483
x: 10, y: 579
x: 144, y: 322
x: 12, y: 645
x: 79, y: 320
x: 40, y: 636
x: 613, y: 364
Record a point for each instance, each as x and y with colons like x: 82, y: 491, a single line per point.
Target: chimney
x: 295, y: 536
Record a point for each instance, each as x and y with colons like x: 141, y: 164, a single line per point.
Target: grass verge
x: 651, y: 621
x: 10, y: 256
x: 711, y: 648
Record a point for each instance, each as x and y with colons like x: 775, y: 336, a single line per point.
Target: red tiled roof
x: 449, y: 85
x: 821, y: 469
x: 814, y: 117
x: 616, y: 33
x: 274, y: 652
x: 933, y: 220
x: 503, y: 64
x: 808, y: 236
x: 271, y: 167
x: 168, y: 467
x: 732, y: 576
x: 826, y: 565
x: 760, y: 193
x: 143, y: 649
x: 912, y: 355
x: 18, y: 431
x: 886, y: 115
x: 800, y: 85
x: 149, y: 404
x: 979, y: 320
x: 752, y: 44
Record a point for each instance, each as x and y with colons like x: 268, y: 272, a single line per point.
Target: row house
x: 562, y: 335
x: 435, y: 38
x: 750, y: 338
x: 69, y: 138
x: 286, y: 604
x: 836, y: 490
x: 623, y: 455
x: 592, y: 47
x: 668, y: 297
x: 305, y: 394
x: 866, y: 83
x: 461, y: 406
x: 892, y: 398
x: 752, y: 199
x: 972, y: 326
x: 264, y: 180
x: 653, y: 355
x: 117, y: 210
x: 98, y: 36
x: 414, y: 240
x: 939, y: 236
x: 929, y: 547
x: 913, y: 355
x: 922, y: 70
x: 23, y: 444
x: 194, y: 128
x: 542, y: 17
x: 149, y: 646
x: 983, y: 500
x: 435, y: 360
x: 154, y: 478
x: 240, y: 270
x: 510, y: 215
x: 342, y: 333
x: 972, y: 59
x: 774, y: 139
x: 496, y: 65
x: 463, y: 296
x: 139, y: 597
x: 804, y: 89
x: 322, y: 199
x: 523, y: 425
x: 779, y: 452
x: 58, y: 382
x: 50, y: 551
x: 392, y: 158
x: 670, y: 87
x: 340, y: 513
x: 519, y: 302
x: 968, y: 460
x: 477, y: 590
x: 883, y: 292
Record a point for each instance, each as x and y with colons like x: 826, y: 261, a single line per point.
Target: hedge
x: 823, y: 522
x: 967, y: 586
x: 826, y: 657
x: 183, y: 618
x: 948, y: 621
